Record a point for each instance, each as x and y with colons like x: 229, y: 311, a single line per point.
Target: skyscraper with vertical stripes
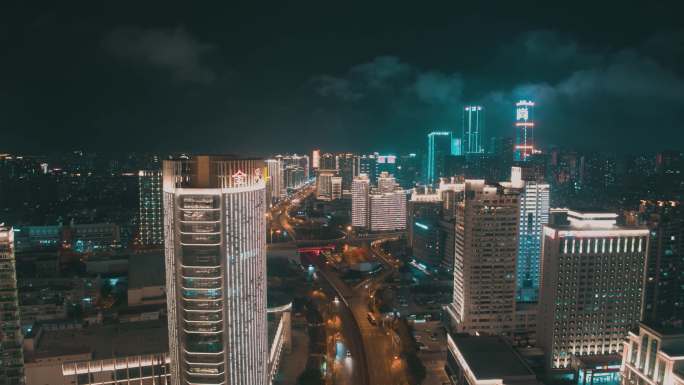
x: 215, y: 240
x: 524, y: 130
x: 473, y: 126
x: 11, y: 339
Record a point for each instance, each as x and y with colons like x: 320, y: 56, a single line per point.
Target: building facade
x: 215, y: 236
x: 534, y: 214
x: 524, y: 130
x: 275, y: 179
x: 11, y: 338
x: 485, y: 253
x: 592, y: 286
x: 653, y: 355
x: 151, y: 209
x: 360, y: 201
x: 664, y: 292
x: 473, y: 128
x: 388, y: 211
x: 440, y: 145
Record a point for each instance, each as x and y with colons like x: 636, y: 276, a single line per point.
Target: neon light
x: 422, y: 226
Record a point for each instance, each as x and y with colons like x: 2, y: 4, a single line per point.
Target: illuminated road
x: 376, y: 343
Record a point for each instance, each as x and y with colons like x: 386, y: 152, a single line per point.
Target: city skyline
x: 191, y: 75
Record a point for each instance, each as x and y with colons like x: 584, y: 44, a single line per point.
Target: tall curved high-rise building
x: 215, y: 240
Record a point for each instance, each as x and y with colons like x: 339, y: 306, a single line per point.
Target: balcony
x: 201, y: 283
x: 200, y: 216
x: 200, y: 228
x: 202, y: 294
x: 192, y: 316
x: 200, y: 305
x: 199, y: 202
x: 201, y: 260
x: 200, y: 328
x: 202, y: 272
x: 197, y: 343
x: 201, y: 239
x: 203, y: 359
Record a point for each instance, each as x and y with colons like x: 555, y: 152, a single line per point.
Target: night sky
x: 117, y: 76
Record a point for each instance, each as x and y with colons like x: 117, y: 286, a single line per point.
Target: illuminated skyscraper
x: 215, y: 235
x: 524, y: 129
x: 316, y: 159
x: 368, y: 164
x: 347, y: 165
x: 275, y: 179
x: 592, y: 287
x: 473, y: 127
x: 151, y: 210
x: 11, y: 339
x: 440, y: 145
x: 387, y: 205
x: 534, y: 214
x: 360, y: 210
x: 486, y: 247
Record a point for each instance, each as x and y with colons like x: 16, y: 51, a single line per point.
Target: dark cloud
x: 174, y: 50
x: 585, y: 97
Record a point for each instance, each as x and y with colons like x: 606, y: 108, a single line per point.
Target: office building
x: 151, y: 210
x: 368, y: 164
x: 664, y: 291
x: 215, y: 234
x: 440, y: 145
x: 360, y: 201
x: 388, y: 211
x: 534, y: 214
x: 328, y: 162
x: 424, y: 233
x: 324, y: 184
x: 348, y: 168
x: 652, y: 355
x: 11, y: 339
x: 592, y: 287
x: 473, y: 127
x: 485, y: 256
x: 295, y: 170
x: 387, y: 163
x: 293, y: 178
x: 524, y: 130
x: 335, y: 188
x: 485, y: 360
x: 275, y: 180
x: 408, y: 171
x: 316, y: 159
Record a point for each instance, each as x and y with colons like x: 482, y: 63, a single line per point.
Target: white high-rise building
x: 485, y: 252
x: 316, y: 159
x: 360, y: 210
x: 336, y: 188
x: 275, y: 178
x: 386, y: 182
x: 388, y: 211
x: 215, y: 237
x: 592, y: 287
x: 324, y: 185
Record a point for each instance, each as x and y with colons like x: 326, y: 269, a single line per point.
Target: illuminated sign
x: 522, y: 113
x: 239, y: 178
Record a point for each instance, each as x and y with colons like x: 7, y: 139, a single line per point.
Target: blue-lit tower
x: 473, y: 126
x: 524, y: 129
x: 440, y: 145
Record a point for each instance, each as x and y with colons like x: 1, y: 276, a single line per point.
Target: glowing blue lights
x: 422, y: 226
